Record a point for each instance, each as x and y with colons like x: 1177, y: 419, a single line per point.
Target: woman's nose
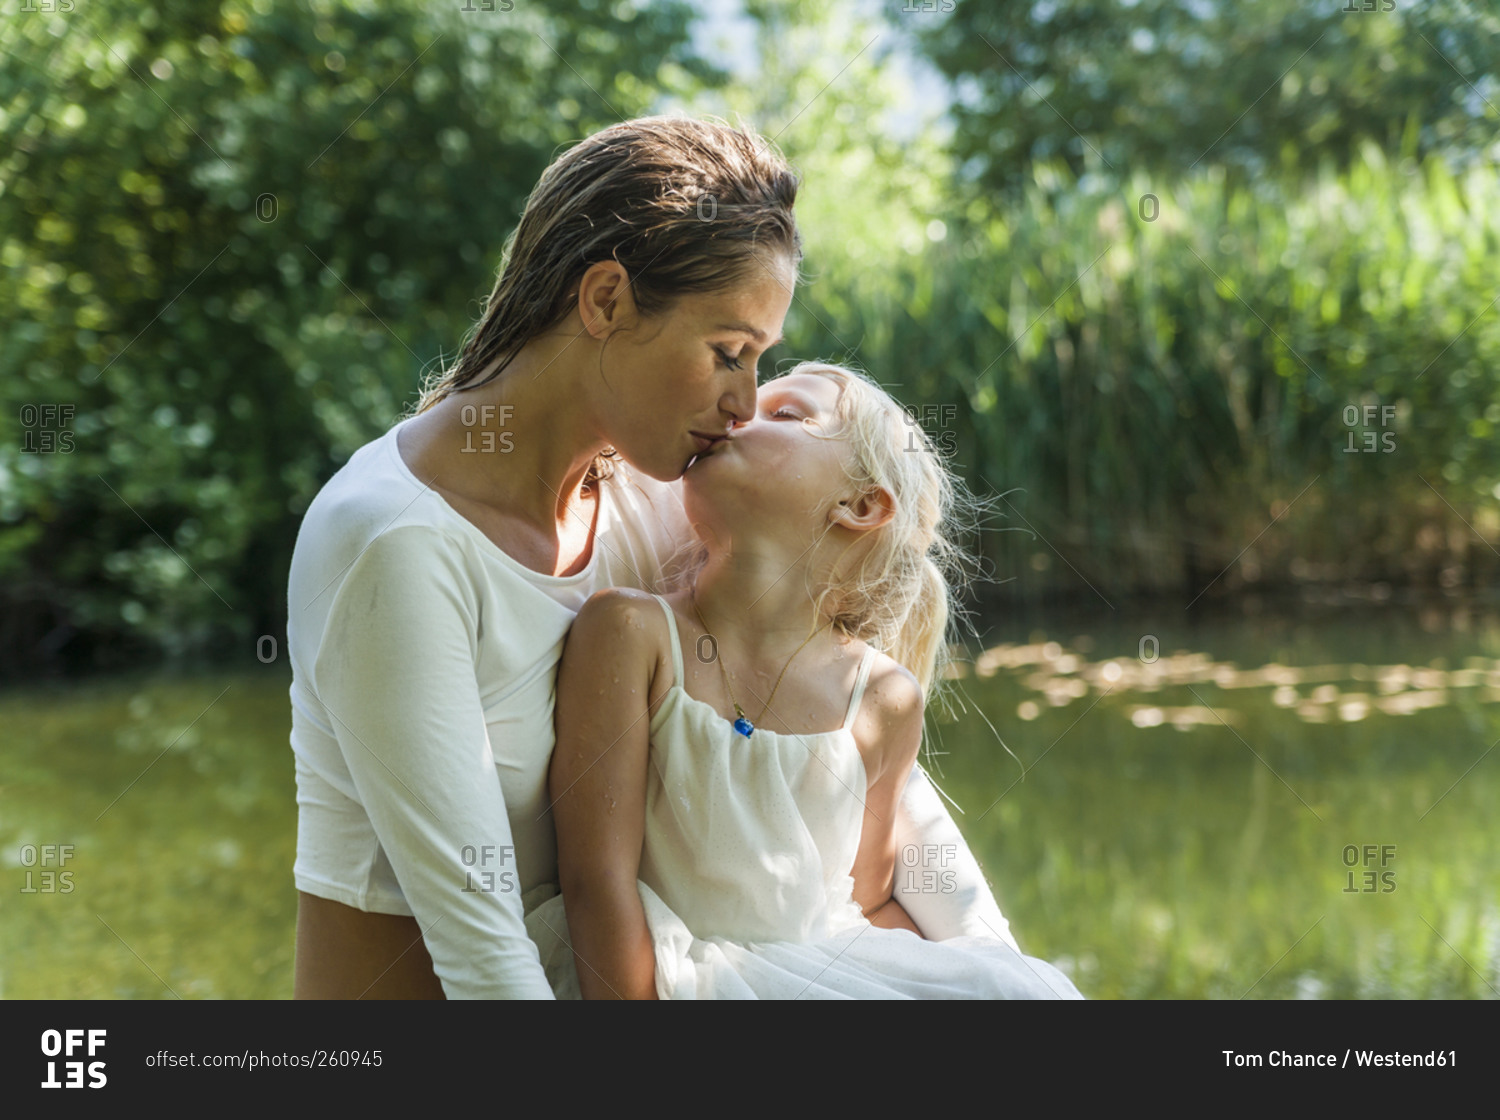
x: 739, y: 402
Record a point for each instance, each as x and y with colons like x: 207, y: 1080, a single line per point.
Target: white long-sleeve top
x: 424, y: 660
x: 424, y: 664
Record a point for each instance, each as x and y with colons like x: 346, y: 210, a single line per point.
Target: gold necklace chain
x: 742, y: 722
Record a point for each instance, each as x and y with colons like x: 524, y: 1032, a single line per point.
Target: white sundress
x: 745, y: 875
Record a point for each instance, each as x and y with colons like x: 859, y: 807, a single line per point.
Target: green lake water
x: 1289, y: 805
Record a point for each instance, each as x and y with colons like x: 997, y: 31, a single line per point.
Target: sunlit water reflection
x: 1285, y: 807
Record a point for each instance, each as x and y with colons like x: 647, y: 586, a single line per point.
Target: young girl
x: 730, y: 758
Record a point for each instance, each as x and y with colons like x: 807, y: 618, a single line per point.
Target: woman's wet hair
x: 686, y: 206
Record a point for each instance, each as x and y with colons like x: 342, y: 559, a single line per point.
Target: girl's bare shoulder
x: 621, y: 615
x: 619, y: 628
x: 889, y: 723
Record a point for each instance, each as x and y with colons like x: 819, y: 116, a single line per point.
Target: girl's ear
x: 870, y: 510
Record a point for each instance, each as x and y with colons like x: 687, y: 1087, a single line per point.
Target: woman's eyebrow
x: 754, y: 332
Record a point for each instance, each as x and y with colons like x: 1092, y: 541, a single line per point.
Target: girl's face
x: 779, y: 474
x: 677, y: 383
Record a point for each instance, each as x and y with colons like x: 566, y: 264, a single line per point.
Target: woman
x: 436, y: 574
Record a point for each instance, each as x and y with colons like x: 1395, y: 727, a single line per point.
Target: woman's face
x: 681, y: 380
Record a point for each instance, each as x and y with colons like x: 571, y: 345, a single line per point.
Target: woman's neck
x: 493, y: 444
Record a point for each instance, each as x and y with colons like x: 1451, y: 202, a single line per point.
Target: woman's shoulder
x: 372, y: 517
x: 374, y: 489
x: 375, y: 497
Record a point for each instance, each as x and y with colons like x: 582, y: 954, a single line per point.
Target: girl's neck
x: 760, y: 600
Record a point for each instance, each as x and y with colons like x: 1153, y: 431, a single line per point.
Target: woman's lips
x: 707, y: 443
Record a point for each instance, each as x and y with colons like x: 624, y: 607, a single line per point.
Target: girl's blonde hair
x: 901, y: 597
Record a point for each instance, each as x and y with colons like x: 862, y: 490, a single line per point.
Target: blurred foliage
x: 1150, y: 381
x: 1165, y: 86
x: 235, y: 235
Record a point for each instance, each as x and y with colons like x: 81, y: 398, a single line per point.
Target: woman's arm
x: 889, y: 732
x: 598, y: 789
x: 395, y: 672
x: 940, y: 884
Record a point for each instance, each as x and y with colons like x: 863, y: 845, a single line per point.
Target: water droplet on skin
x: 617, y: 680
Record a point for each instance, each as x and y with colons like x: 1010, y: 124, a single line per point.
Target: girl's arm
x: 598, y: 789
x: 888, y: 730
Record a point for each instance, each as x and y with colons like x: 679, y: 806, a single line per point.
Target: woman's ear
x: 604, y: 298
x: 870, y: 510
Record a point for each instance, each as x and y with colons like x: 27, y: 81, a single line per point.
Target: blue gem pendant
x: 742, y: 724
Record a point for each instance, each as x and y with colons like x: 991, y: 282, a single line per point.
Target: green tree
x: 1167, y: 85
x: 234, y: 235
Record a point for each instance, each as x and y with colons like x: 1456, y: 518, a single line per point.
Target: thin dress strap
x: 859, y: 687
x: 676, y: 642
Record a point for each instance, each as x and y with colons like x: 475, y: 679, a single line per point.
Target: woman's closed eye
x: 733, y: 363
